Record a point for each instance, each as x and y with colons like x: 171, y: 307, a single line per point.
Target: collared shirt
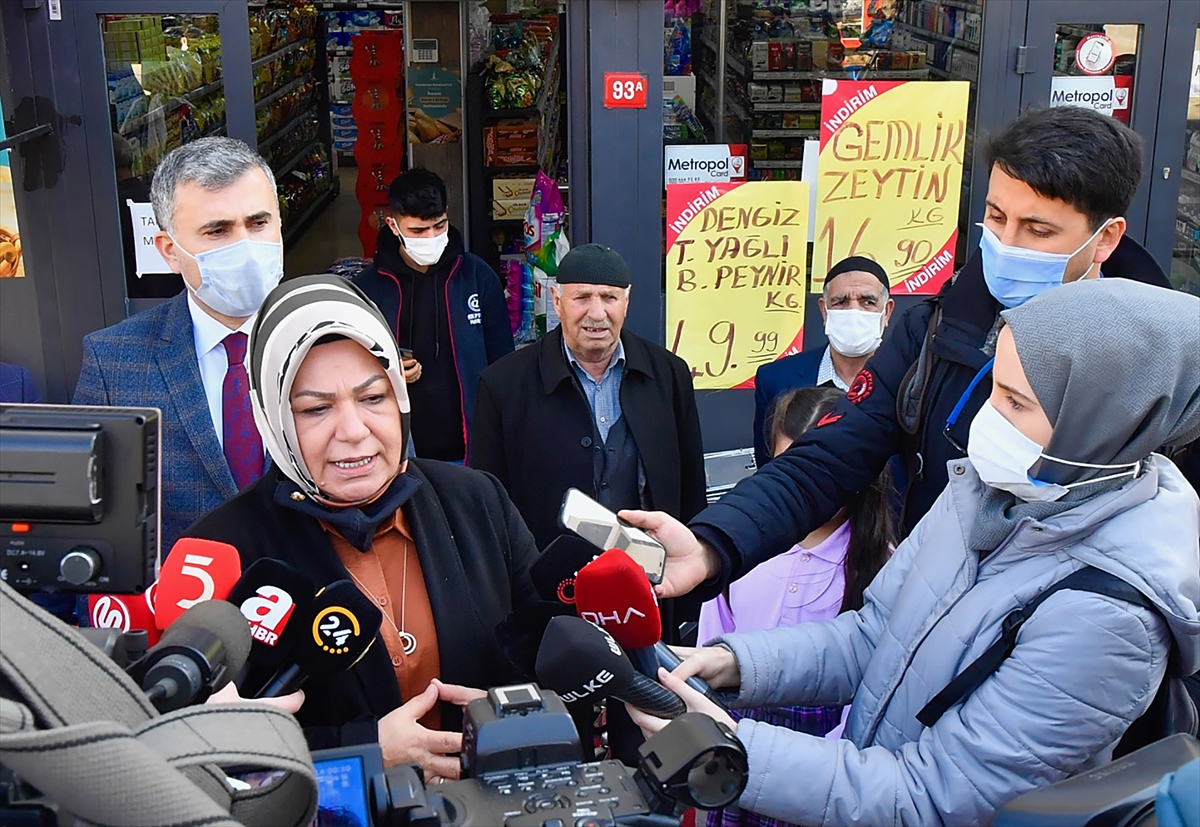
x: 390, y: 576
x: 828, y: 373
x: 603, y: 394
x: 209, y: 335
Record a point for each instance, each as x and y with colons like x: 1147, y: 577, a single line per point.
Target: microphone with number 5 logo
x: 195, y: 570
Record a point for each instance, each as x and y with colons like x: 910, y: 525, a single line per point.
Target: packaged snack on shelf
x: 544, y: 242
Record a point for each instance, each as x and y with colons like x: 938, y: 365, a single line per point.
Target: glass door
x: 1103, y: 54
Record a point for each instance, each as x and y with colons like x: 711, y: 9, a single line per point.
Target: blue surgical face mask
x: 1014, y: 275
x: 235, y: 279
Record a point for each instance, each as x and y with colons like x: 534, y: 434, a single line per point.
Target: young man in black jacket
x: 445, y: 306
x: 1061, y: 181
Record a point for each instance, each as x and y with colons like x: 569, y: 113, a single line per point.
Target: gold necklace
x: 408, y: 641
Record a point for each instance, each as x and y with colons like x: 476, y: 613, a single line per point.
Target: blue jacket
x: 476, y: 311
x: 770, y: 381
x: 804, y: 487
x: 16, y: 385
x: 149, y: 361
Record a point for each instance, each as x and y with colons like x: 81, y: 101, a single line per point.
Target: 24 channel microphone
x: 195, y: 571
x: 276, y: 600
x: 341, y: 628
x: 614, y: 593
x: 579, y: 660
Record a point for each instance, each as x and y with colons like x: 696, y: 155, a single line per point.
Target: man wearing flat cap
x: 856, y: 307
x: 590, y: 406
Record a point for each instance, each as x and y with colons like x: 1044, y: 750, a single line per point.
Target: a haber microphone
x: 554, y: 571
x: 276, y: 601
x: 198, y: 654
x: 578, y: 660
x: 125, y: 612
x: 614, y: 593
x: 340, y: 628
x: 195, y: 570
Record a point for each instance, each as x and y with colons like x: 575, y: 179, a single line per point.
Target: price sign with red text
x: 625, y: 90
x: 736, y: 277
x: 889, y: 179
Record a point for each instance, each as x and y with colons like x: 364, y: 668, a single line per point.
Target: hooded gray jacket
x: 1084, y: 666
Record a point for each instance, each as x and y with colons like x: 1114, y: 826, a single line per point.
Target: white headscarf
x: 294, y: 316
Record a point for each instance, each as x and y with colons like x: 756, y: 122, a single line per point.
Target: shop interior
x: 348, y: 95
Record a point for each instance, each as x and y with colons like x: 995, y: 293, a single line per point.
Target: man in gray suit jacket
x: 219, y: 227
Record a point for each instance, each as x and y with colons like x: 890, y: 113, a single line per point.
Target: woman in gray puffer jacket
x: 1089, y: 379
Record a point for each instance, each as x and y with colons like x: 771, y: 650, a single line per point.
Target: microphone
x: 198, y: 654
x: 126, y: 613
x: 275, y: 599
x: 578, y: 660
x: 342, y: 624
x: 196, y: 570
x: 554, y: 571
x: 614, y: 593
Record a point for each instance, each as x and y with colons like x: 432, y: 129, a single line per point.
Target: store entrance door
x: 1106, y: 55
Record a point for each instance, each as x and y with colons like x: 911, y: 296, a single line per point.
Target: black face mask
x: 356, y: 524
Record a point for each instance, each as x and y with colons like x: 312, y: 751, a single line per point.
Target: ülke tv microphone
x: 614, y: 593
x: 579, y: 661
x: 126, y: 612
x: 198, y: 654
x: 554, y: 571
x: 340, y: 628
x: 195, y: 570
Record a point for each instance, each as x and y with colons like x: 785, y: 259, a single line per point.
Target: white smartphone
x: 603, y: 529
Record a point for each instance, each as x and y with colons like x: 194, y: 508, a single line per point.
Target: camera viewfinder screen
x: 341, y: 793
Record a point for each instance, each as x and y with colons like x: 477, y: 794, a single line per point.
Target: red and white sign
x: 1095, y: 54
x: 625, y: 90
x: 1109, y: 95
x: 704, y: 163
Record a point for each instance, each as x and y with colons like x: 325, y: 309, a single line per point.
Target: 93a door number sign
x: 625, y: 90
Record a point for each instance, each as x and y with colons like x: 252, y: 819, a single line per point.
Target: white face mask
x: 1002, y: 457
x: 235, y: 279
x: 424, y: 251
x: 854, y: 332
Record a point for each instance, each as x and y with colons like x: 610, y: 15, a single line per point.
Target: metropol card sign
x: 736, y: 277
x: 889, y: 178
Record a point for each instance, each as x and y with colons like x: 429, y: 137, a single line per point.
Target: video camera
x: 521, y: 768
x: 79, y: 497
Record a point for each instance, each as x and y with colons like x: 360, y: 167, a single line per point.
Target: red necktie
x: 243, y: 445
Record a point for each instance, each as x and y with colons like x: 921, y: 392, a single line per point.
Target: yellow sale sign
x: 736, y: 279
x: 890, y: 178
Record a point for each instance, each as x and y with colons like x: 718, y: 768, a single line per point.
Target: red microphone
x: 195, y: 571
x: 613, y: 592
x: 126, y: 612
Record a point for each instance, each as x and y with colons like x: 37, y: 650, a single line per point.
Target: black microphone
x: 578, y: 660
x: 276, y: 600
x: 199, y: 653
x: 340, y: 628
x: 553, y: 573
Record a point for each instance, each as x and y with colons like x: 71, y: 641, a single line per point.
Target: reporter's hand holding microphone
x: 715, y: 665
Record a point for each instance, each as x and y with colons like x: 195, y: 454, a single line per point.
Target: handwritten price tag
x: 890, y: 178
x: 736, y: 280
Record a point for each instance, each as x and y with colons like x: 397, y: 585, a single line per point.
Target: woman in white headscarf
x: 439, y: 549
x: 1061, y: 480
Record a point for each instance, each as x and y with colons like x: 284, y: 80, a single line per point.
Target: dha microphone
x: 554, y: 572
x: 578, y: 660
x: 338, y: 630
x: 126, y: 613
x: 614, y: 593
x: 196, y: 570
x: 198, y: 654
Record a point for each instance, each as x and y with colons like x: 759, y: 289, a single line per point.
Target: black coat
x: 475, y: 555
x: 534, y: 429
x: 804, y: 487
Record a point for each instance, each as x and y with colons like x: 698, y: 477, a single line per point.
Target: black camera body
x: 521, y: 768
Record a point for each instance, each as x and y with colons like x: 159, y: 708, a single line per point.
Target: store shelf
x: 171, y: 104
x: 339, y: 51
x: 1189, y: 175
x: 838, y: 74
x: 777, y: 164
x: 335, y: 102
x: 278, y: 53
x: 704, y: 41
x: 1076, y: 31
x: 735, y: 64
x: 269, y: 141
x: 294, y: 160
x: 785, y: 133
x: 966, y: 5
x: 283, y: 90
x: 736, y: 109
x: 956, y: 42
x: 785, y: 107
x: 305, y: 220
x: 708, y: 81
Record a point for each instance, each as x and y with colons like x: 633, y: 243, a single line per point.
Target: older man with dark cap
x: 591, y: 406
